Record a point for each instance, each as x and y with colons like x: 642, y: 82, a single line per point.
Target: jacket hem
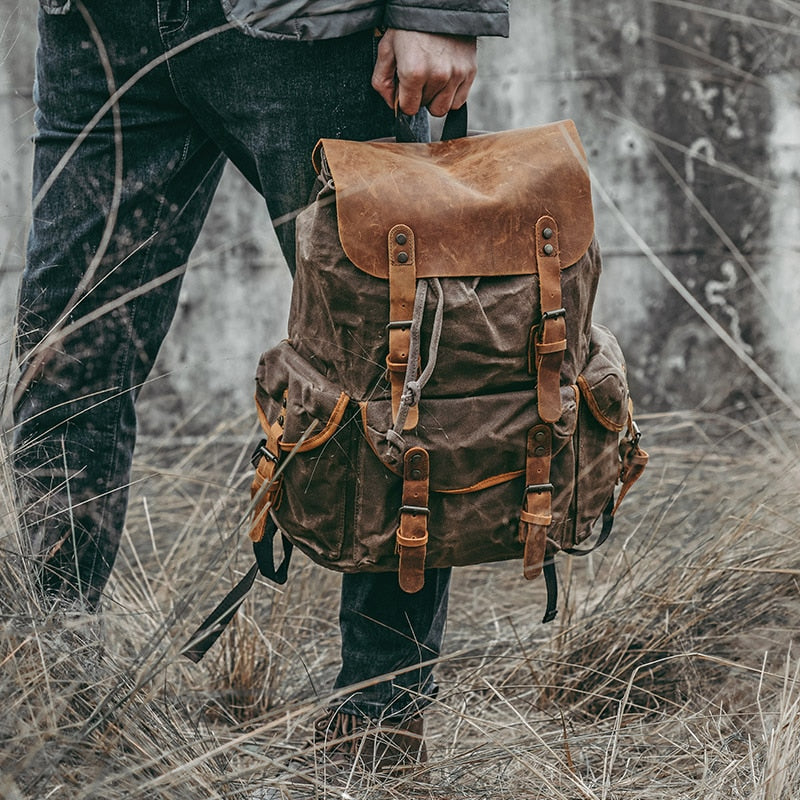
x: 302, y: 29
x: 457, y: 22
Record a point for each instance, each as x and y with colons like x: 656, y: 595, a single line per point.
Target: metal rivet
x: 402, y: 257
x: 540, y: 451
x: 280, y: 420
x: 539, y: 436
x: 416, y: 474
x: 549, y: 249
x: 547, y: 233
x: 401, y: 238
x: 416, y: 458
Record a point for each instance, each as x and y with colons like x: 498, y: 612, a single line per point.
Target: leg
x: 277, y: 99
x: 386, y: 631
x: 120, y: 216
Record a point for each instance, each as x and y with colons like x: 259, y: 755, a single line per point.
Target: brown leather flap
x: 472, y: 203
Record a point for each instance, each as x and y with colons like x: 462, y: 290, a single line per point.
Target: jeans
x: 113, y: 225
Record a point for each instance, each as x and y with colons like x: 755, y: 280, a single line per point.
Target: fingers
x: 383, y: 76
x: 453, y: 94
x: 431, y: 70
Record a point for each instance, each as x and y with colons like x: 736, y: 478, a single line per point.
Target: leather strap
x: 402, y: 288
x: 412, y: 533
x: 633, y: 458
x: 550, y: 341
x: 536, y: 515
x: 265, y: 459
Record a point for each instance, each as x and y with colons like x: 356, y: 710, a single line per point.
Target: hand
x: 432, y: 70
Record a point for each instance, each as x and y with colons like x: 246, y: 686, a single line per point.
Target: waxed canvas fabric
x: 339, y: 497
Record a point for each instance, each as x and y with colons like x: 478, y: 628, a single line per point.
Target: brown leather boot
x: 388, y: 746
x: 346, y: 751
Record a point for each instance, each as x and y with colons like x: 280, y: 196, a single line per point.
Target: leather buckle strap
x: 633, y: 459
x: 536, y: 513
x: 265, y: 459
x: 402, y: 289
x: 551, y: 335
x: 412, y: 532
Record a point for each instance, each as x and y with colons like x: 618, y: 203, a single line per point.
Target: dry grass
x: 668, y: 674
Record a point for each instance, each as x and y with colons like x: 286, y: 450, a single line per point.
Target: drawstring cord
x: 412, y: 385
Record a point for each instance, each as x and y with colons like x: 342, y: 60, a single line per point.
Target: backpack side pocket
x: 315, y: 443
x: 602, y: 417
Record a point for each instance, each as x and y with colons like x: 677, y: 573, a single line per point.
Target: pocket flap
x: 471, y: 202
x: 603, y: 382
x: 288, y: 386
x: 473, y: 442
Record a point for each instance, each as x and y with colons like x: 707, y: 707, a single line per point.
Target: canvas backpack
x: 443, y: 397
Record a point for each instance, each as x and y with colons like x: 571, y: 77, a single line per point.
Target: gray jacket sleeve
x: 457, y: 17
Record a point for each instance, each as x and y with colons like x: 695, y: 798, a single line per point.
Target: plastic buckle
x: 262, y: 452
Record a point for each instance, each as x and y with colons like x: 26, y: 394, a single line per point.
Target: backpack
x: 443, y: 397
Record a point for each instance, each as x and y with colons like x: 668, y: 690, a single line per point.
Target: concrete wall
x: 690, y: 117
x: 689, y: 113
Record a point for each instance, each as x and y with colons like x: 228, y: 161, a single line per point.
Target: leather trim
x: 330, y: 428
x: 591, y: 401
x: 472, y: 202
x: 486, y: 483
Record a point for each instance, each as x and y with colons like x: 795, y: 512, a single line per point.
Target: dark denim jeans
x: 117, y: 213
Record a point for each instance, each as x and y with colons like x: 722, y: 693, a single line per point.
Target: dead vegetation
x: 669, y: 672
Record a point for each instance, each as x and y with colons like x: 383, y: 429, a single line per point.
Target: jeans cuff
x: 401, y: 702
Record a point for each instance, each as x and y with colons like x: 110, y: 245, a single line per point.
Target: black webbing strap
x: 605, y: 532
x: 216, y: 622
x: 265, y: 557
x: 549, y: 566
x: 551, y: 582
x: 455, y: 126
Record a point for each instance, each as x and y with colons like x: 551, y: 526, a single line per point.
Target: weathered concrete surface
x: 17, y: 41
x: 689, y: 113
